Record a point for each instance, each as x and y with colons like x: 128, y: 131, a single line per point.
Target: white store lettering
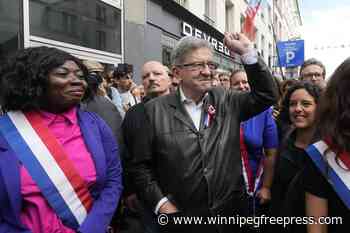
x: 189, y: 30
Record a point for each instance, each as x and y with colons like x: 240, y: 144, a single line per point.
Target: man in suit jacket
x: 190, y: 164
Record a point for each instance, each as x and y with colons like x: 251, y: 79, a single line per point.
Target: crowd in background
x: 118, y: 133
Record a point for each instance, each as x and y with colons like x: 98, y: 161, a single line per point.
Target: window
x: 101, y: 40
x: 269, y: 14
x: 11, y: 33
x: 166, y: 56
x: 242, y: 22
x: 262, y: 45
x: 270, y: 55
x: 209, y: 12
x: 262, y: 15
x: 101, y: 13
x: 181, y: 2
x: 88, y: 23
x: 280, y: 31
x: 229, y: 17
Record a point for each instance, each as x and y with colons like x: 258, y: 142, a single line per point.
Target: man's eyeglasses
x: 195, y: 66
x: 311, y: 75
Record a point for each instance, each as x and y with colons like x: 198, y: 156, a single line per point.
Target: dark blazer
x: 177, y: 158
x: 100, y: 142
x: 107, y: 111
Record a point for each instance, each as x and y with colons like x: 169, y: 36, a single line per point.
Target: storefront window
x: 88, y: 23
x: 166, y: 56
x: 11, y: 33
x: 226, y: 63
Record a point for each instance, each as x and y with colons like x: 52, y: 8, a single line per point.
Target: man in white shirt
x: 190, y: 162
x: 122, y: 78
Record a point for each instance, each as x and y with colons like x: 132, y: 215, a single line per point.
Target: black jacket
x: 176, y: 157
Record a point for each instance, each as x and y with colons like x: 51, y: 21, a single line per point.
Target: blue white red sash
x: 48, y: 165
x: 336, y: 171
x: 252, y: 183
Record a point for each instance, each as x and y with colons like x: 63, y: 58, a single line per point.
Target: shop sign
x: 189, y: 30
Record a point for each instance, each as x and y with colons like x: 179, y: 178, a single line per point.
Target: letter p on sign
x: 289, y: 56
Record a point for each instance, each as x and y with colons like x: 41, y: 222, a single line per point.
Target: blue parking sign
x: 291, y: 53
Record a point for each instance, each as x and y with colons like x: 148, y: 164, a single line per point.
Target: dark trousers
x: 200, y: 211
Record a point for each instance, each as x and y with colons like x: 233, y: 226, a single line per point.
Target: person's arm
x: 9, y: 228
x: 316, y: 207
x: 263, y: 92
x: 139, y: 164
x: 105, y: 205
x: 269, y: 164
x: 270, y: 143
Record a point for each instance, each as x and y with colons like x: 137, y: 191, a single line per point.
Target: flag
x: 248, y: 27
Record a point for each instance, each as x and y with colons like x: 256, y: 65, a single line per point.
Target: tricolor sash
x: 49, y: 166
x: 335, y: 171
x: 252, y: 183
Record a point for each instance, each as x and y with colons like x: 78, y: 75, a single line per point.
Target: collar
x: 186, y: 100
x: 70, y: 116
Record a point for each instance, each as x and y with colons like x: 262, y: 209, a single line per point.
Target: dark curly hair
x: 313, y: 90
x: 334, y: 110
x: 24, y: 77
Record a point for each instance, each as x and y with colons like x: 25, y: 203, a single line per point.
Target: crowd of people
x: 85, y: 149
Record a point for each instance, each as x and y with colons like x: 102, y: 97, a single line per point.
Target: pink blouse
x: 36, y: 213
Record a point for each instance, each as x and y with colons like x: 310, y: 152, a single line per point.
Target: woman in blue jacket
x: 59, y: 165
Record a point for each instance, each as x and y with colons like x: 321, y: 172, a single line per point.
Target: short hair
x: 24, y: 77
x: 93, y: 66
x: 123, y: 69
x: 225, y: 73
x: 314, y: 90
x: 186, y: 45
x: 234, y: 72
x: 313, y: 61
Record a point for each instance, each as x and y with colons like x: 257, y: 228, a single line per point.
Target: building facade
x: 134, y: 31
x: 89, y: 29
x: 152, y: 28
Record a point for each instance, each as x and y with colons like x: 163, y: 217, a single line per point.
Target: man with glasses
x: 190, y: 162
x: 314, y: 71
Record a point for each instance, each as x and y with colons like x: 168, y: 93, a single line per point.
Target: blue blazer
x: 106, y: 192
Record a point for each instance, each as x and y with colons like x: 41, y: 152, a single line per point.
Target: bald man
x: 155, y: 79
x: 156, y: 82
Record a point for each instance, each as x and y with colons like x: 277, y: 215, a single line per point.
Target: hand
x: 264, y: 194
x: 126, y: 107
x: 275, y: 113
x: 237, y: 43
x: 131, y: 202
x: 168, y: 208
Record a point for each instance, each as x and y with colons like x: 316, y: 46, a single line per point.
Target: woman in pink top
x: 59, y: 165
